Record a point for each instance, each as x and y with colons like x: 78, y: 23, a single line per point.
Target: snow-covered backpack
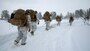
x: 19, y: 18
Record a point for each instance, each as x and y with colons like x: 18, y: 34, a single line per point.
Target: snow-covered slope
x: 58, y: 38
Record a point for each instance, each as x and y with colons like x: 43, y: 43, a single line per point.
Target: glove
x: 38, y: 23
x: 29, y: 30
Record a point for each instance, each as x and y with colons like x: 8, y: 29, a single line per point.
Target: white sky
x: 60, y: 6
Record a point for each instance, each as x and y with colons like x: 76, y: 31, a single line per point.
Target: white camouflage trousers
x: 33, y: 26
x: 58, y: 23
x: 47, y: 25
x: 22, y: 34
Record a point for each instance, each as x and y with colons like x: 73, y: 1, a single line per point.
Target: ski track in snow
x: 58, y: 38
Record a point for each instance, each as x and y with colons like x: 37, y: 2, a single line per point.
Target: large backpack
x: 32, y: 14
x: 58, y: 18
x: 47, y: 16
x: 19, y: 18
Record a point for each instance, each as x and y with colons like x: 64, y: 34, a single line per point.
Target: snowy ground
x: 58, y: 38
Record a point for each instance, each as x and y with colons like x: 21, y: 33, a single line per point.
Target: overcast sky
x: 60, y: 6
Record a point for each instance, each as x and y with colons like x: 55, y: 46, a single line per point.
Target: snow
x: 6, y: 28
x: 58, y: 38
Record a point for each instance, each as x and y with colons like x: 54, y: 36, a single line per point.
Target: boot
x: 29, y: 30
x: 16, y: 42
x: 47, y: 29
x: 32, y: 33
x: 23, y: 44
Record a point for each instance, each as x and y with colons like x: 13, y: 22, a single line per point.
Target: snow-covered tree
x: 61, y: 15
x: 77, y: 14
x: 81, y: 12
x: 5, y: 14
x: 69, y: 15
x: 88, y: 12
